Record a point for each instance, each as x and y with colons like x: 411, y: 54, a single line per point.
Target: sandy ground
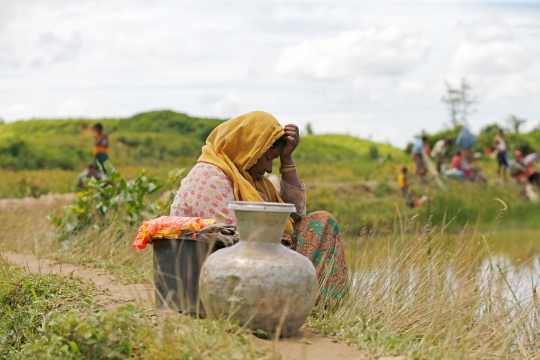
x: 48, y: 200
x: 307, y: 345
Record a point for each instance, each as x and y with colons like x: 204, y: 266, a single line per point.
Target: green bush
x: 27, y: 302
x: 102, y: 334
x: 104, y: 200
x: 20, y: 154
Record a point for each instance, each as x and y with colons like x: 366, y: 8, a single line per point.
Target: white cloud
x: 227, y: 106
x: 352, y: 53
x: 43, y: 50
x: 492, y: 33
x: 410, y: 87
x: 361, y: 125
x: 73, y: 108
x: 309, y: 13
x: 17, y: 111
x: 491, y: 50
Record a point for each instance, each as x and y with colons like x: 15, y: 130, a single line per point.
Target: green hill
x: 155, y: 138
x: 163, y: 121
x: 345, y: 148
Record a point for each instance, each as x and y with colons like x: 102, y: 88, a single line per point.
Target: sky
x: 373, y: 69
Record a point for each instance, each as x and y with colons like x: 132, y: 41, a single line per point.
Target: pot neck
x: 261, y: 226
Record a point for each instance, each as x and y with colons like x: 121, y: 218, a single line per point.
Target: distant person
x: 466, y: 141
x: 85, y: 130
x: 524, y: 169
x: 459, y: 164
x: 91, y: 172
x: 403, y: 182
x: 499, y: 144
x: 439, y: 152
x: 101, y: 144
x: 427, y: 149
x: 476, y: 169
x: 416, y: 154
x: 517, y: 166
x: 530, y: 172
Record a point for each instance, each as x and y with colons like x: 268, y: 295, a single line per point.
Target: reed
x: 414, y: 294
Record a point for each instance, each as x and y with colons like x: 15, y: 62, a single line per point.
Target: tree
x: 515, y: 123
x: 309, y: 129
x: 459, y: 102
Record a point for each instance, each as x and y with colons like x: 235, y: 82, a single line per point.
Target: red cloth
x: 456, y: 162
x: 458, y: 165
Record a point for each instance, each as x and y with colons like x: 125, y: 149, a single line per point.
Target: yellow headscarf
x: 236, y: 145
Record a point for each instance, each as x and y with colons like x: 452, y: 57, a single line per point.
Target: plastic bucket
x: 177, y: 266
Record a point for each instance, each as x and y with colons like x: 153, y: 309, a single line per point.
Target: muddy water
x: 514, y: 262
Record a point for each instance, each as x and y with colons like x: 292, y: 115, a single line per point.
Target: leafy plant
x: 374, y: 152
x: 26, y: 301
x: 104, y: 200
x: 103, y: 334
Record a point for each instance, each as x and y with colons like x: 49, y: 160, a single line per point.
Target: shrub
x: 104, y: 200
x: 103, y: 334
x: 27, y: 301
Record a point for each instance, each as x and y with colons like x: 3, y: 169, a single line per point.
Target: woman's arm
x: 294, y: 195
x: 287, y: 163
x: 290, y: 177
x: 293, y: 189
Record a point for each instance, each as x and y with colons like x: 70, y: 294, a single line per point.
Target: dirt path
x: 308, y: 345
x: 47, y: 200
x: 117, y: 292
x: 311, y: 346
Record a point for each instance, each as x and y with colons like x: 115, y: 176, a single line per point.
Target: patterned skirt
x: 317, y: 236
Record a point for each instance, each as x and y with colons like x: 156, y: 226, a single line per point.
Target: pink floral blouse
x: 206, y: 191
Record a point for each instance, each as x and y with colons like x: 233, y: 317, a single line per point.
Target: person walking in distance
x: 101, y: 144
x: 439, y: 151
x: 416, y: 154
x: 502, y: 153
x: 91, y: 172
x: 403, y: 182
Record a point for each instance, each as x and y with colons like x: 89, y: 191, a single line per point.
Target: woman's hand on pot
x: 293, y: 139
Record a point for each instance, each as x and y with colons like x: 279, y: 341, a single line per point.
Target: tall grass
x: 414, y: 294
x: 26, y: 229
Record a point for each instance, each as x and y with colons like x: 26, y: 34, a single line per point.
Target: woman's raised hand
x: 293, y: 139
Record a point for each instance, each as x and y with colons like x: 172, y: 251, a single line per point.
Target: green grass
x: 152, y: 139
x: 54, y: 317
x: 27, y: 302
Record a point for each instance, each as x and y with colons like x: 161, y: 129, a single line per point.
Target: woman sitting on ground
x: 234, y: 160
x: 460, y: 165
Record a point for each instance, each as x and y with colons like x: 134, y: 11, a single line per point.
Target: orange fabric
x: 100, y: 148
x: 168, y: 227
